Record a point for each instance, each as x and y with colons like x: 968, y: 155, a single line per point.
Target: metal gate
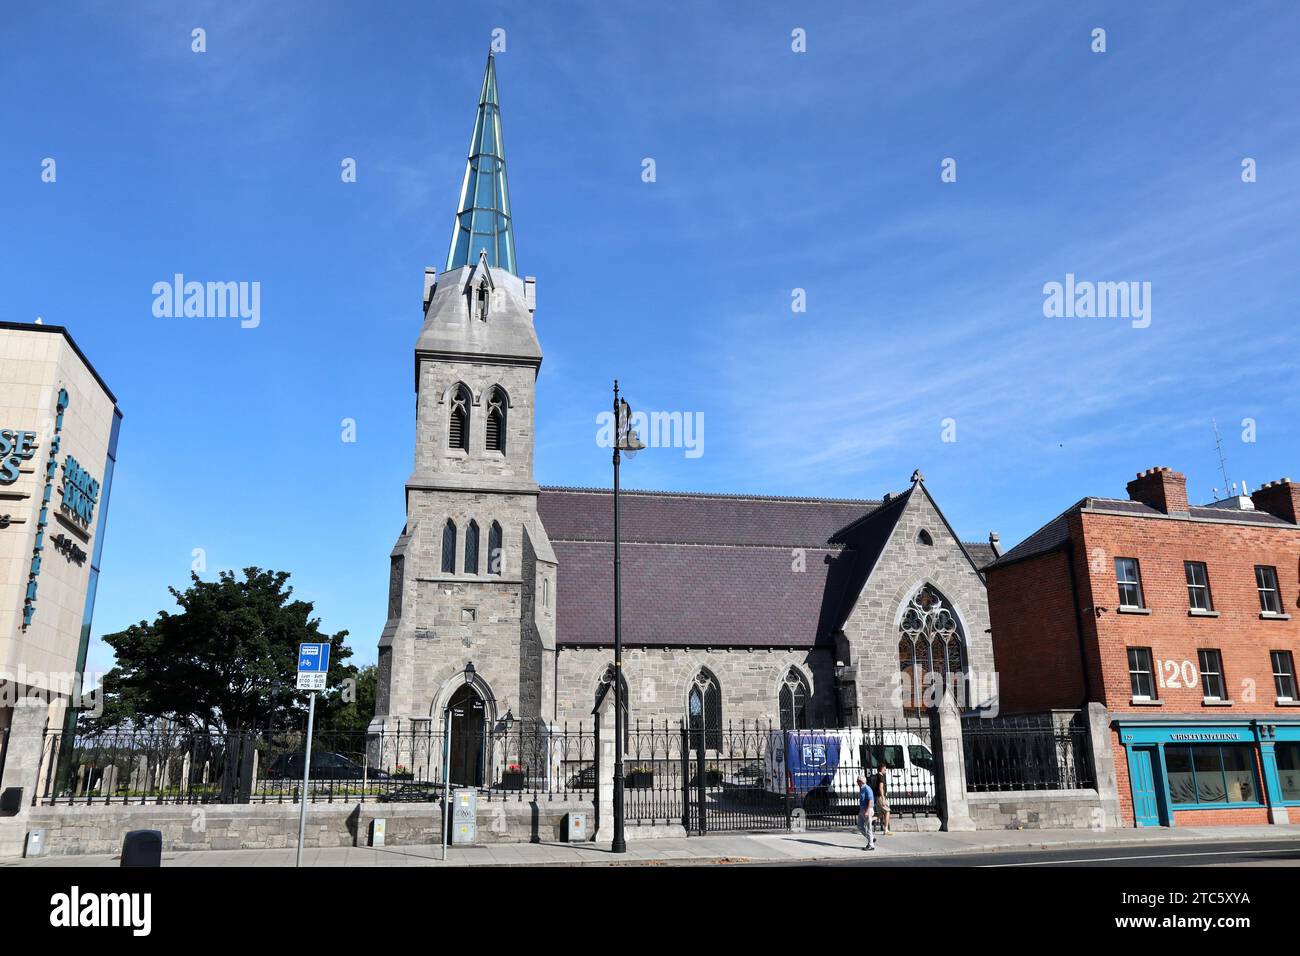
x: 755, y: 777
x: 726, y: 787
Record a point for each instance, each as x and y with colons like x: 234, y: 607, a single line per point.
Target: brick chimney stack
x: 1279, y: 498
x: 1162, y: 489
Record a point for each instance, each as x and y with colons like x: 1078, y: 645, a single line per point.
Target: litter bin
x: 142, y: 848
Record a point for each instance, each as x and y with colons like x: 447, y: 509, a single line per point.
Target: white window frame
x: 1261, y: 589
x: 1193, y: 586
x: 1135, y: 583
x: 1216, y: 672
x: 1150, y: 672
x: 1289, y: 673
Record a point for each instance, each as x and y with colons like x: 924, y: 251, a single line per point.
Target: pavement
x: 816, y: 846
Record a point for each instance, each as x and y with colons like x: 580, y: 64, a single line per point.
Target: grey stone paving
x: 773, y: 847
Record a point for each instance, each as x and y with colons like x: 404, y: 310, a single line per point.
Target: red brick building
x: 1182, y: 620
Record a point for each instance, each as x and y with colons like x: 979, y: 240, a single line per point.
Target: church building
x: 803, y: 612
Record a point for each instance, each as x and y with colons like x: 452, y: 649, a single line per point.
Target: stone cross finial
x: 917, y: 477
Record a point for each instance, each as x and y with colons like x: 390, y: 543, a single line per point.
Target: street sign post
x: 313, y: 666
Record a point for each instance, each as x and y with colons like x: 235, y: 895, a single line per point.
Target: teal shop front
x: 1189, y: 766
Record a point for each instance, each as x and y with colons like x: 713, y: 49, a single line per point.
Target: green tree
x: 349, y: 711
x: 226, y: 661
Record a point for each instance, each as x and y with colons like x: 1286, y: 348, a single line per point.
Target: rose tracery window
x: 930, y: 650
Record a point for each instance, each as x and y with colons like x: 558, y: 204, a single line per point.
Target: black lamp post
x: 625, y: 440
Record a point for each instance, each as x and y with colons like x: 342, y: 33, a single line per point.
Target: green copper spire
x: 483, y: 219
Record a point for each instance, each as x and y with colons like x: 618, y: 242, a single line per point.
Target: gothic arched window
x: 793, y: 701
x: 449, y: 547
x: 496, y: 420
x: 704, y: 710
x: 496, y: 558
x: 931, y: 652
x: 471, y: 548
x: 482, y: 295
x: 458, y: 427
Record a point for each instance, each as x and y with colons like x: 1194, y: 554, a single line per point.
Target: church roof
x: 715, y: 570
x: 698, y: 569
x: 483, y: 214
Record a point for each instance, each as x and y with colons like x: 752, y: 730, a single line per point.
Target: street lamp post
x: 625, y: 439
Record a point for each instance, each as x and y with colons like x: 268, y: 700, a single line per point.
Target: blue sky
x: 775, y: 171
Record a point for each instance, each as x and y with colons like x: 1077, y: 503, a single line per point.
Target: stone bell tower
x: 471, y: 605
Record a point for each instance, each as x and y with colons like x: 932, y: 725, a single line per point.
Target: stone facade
x: 659, y: 679
x: 478, y: 341
x: 870, y: 635
x: 441, y: 620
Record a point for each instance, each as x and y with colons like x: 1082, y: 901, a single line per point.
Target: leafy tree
x: 226, y: 661
x: 349, y: 711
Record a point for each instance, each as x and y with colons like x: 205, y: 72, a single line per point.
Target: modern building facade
x: 59, y: 425
x: 801, y: 611
x: 1180, y: 620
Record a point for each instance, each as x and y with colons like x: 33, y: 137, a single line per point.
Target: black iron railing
x: 1027, y: 752
x: 404, y: 761
x: 755, y: 776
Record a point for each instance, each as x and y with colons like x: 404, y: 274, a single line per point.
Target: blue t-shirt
x: 865, y: 798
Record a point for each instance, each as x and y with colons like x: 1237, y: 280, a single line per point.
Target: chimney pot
x: 1161, y: 488
x: 1279, y: 498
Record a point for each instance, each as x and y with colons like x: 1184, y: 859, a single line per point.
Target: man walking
x: 865, y: 807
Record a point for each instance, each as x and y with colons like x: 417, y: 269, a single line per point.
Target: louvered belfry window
x: 449, y: 547
x: 496, y: 421
x: 458, y: 430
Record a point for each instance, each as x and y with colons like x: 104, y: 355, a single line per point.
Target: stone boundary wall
x: 1039, y: 810
x: 84, y: 829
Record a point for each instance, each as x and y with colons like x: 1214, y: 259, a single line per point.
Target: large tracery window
x: 931, y: 653
x: 794, y: 701
x: 704, y: 710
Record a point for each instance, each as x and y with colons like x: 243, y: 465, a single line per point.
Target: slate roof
x: 698, y: 569
x: 981, y: 553
x: 1056, y: 532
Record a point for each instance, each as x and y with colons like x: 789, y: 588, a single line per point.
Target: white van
x: 819, y: 768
